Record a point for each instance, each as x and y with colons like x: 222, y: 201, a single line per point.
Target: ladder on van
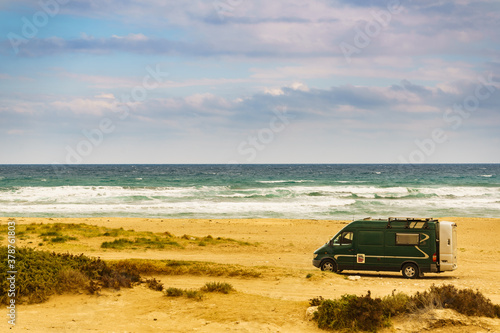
x: 411, y: 222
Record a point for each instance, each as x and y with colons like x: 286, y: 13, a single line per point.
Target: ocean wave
x: 316, y: 194
x: 350, y: 181
x: 350, y: 191
x: 292, y: 181
x: 403, y: 197
x: 299, y: 201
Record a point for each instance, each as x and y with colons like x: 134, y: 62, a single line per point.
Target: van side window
x: 344, y: 238
x: 407, y: 239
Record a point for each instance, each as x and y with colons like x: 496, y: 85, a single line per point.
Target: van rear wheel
x: 329, y: 265
x: 410, y: 271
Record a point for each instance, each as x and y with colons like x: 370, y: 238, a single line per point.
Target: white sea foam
x: 284, y: 181
x: 300, y: 201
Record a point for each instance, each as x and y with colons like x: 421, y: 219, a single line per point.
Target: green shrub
x: 62, y: 239
x: 142, y: 242
x: 352, y: 313
x: 51, y: 233
x: 174, y: 292
x: 465, y: 301
x: 154, y: 284
x: 42, y: 274
x: 194, y: 294
x: 217, y: 287
x: 119, y: 243
x: 213, y: 287
x: 395, y: 304
x: 316, y: 301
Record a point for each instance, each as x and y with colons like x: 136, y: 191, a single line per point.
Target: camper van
x: 411, y: 245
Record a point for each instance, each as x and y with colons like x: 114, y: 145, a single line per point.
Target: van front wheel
x: 410, y: 271
x: 329, y: 265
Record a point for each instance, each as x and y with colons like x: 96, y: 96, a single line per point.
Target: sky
x: 249, y: 81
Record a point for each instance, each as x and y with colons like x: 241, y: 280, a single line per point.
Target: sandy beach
x: 275, y: 302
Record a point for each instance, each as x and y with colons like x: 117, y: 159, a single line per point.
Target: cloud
x: 404, y: 110
x: 78, y: 106
x: 16, y: 132
x: 104, y: 82
x: 279, y: 91
x: 106, y: 96
x: 233, y: 66
x: 281, y: 29
x: 131, y: 37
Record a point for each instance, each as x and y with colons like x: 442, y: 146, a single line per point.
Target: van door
x: 343, y: 250
x: 369, y: 250
x: 447, y: 246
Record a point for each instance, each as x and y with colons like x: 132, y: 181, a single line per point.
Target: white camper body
x: 447, y: 246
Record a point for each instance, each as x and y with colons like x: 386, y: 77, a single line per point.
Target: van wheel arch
x: 329, y: 265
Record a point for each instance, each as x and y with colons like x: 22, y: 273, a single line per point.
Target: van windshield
x: 344, y: 238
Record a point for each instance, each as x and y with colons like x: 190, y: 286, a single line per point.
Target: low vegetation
x: 217, y: 287
x: 465, y: 301
x: 42, y: 274
x: 154, y: 284
x: 364, y: 313
x: 178, y: 267
x: 197, y: 294
x: 189, y: 293
x: 140, y: 242
x: 114, y: 238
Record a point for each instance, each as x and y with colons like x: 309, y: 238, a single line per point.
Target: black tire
x: 329, y: 265
x: 411, y: 271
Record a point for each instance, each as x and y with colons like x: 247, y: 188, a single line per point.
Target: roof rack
x: 411, y: 222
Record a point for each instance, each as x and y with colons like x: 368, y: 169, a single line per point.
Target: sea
x: 295, y: 191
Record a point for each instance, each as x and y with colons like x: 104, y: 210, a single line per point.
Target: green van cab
x: 411, y: 245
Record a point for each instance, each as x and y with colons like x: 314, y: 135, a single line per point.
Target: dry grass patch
x: 56, y: 234
x: 177, y: 267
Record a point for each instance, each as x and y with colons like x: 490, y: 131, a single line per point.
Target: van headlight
x: 315, y: 256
